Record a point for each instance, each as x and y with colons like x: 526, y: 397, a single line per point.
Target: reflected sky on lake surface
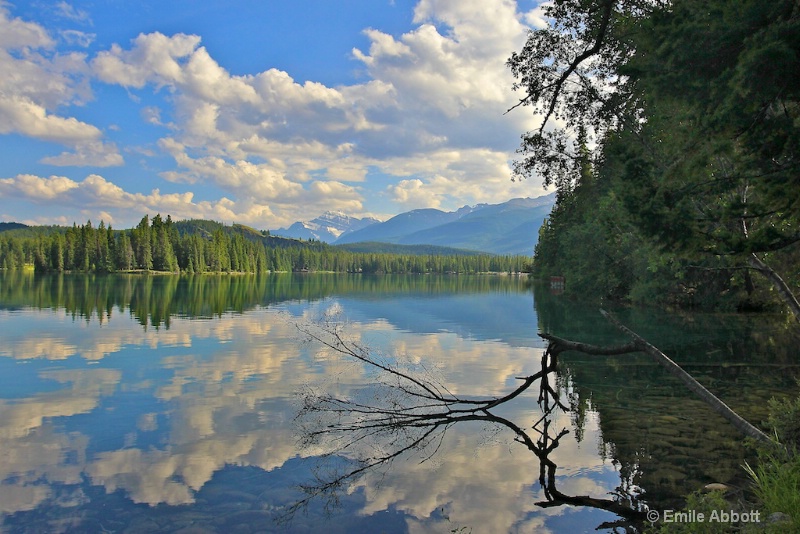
x: 111, y: 424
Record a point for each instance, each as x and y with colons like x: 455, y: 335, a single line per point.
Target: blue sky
x: 257, y: 112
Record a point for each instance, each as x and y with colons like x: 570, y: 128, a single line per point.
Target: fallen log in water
x: 639, y: 344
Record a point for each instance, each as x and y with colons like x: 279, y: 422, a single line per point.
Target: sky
x: 259, y: 112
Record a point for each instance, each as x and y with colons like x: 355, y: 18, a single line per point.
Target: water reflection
x: 193, y: 422
x: 665, y: 440
x: 160, y: 403
x: 155, y: 299
x: 408, y: 411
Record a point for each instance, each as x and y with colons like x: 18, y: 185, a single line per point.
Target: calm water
x: 165, y: 403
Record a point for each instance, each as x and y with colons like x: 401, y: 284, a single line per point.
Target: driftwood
x: 639, y: 344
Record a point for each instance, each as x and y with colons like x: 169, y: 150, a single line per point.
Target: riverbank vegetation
x: 776, y: 475
x: 162, y: 245
x: 671, y: 134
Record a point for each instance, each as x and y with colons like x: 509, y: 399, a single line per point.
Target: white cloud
x: 154, y: 58
x: 535, y: 17
x: 95, y: 154
x: 21, y: 115
x: 38, y: 81
x: 483, y: 28
x: 97, y: 199
x: 70, y: 12
x: 35, y: 188
x: 16, y: 34
x: 152, y: 115
x: 260, y: 136
x: 457, y: 73
x: 78, y: 38
x: 211, y: 82
x: 465, y: 177
x: 260, y: 182
x: 93, y: 194
x: 413, y: 194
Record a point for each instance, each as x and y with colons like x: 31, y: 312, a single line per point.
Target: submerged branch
x: 639, y: 344
x: 560, y: 345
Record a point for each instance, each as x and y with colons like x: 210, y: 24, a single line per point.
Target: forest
x: 163, y: 245
x: 671, y: 134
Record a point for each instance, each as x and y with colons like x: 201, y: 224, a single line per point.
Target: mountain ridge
x: 510, y: 227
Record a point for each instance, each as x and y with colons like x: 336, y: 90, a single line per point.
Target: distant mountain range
x: 328, y: 227
x: 508, y: 228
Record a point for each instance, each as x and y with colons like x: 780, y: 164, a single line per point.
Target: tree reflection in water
x: 408, y: 411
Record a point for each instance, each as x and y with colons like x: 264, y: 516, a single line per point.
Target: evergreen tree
x: 57, y: 253
x: 141, y: 242
x: 125, y: 254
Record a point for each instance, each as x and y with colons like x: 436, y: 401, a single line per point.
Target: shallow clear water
x: 161, y: 403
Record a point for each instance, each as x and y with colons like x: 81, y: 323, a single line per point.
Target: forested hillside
x: 671, y: 134
x: 198, y: 246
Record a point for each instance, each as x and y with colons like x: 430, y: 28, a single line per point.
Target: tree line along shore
x: 163, y: 245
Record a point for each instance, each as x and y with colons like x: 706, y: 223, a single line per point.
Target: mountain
x: 328, y: 227
x: 6, y: 226
x: 398, y: 226
x: 508, y: 228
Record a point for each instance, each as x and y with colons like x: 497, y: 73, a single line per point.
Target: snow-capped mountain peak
x: 327, y: 227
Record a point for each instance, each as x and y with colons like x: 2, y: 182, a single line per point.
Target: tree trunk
x: 709, y: 398
x: 640, y: 345
x: 783, y: 288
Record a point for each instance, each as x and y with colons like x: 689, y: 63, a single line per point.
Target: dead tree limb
x: 558, y: 344
x: 778, y: 283
x: 639, y: 344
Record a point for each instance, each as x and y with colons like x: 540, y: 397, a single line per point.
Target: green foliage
x: 717, y: 158
x: 776, y: 474
x: 784, y: 420
x: 694, y: 110
x: 776, y: 478
x: 6, y: 226
x: 18, y: 230
x: 569, y: 73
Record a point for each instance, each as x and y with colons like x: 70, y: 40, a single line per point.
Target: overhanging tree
x: 720, y: 148
x: 694, y: 104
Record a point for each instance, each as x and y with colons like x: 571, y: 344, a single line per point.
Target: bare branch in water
x: 408, y: 411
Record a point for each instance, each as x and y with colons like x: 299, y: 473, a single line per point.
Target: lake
x: 164, y: 403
